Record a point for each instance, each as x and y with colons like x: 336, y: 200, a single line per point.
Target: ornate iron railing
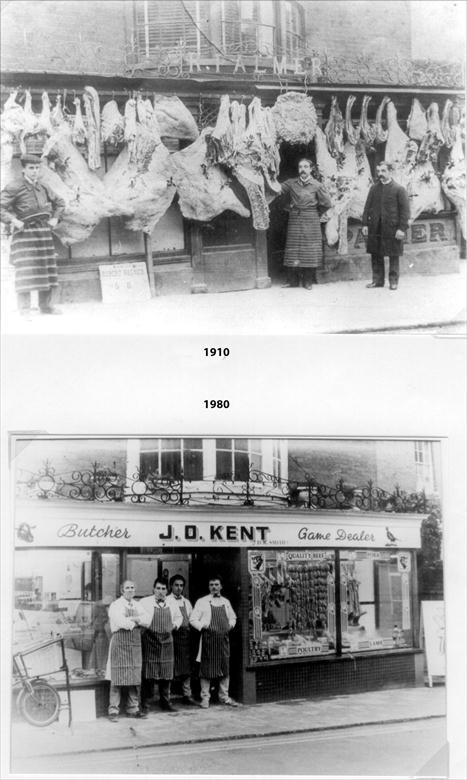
x: 104, y: 484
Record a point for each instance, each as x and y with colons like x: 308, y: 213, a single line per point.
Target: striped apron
x: 215, y: 649
x: 182, y: 665
x: 304, y: 245
x: 33, y: 255
x: 125, y: 655
x: 158, y: 646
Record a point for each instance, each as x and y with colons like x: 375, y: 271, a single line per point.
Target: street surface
x: 413, y: 749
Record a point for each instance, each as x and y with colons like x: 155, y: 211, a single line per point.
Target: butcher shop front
x: 326, y: 600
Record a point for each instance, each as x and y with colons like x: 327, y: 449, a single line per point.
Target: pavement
x: 421, y: 303
x: 195, y: 725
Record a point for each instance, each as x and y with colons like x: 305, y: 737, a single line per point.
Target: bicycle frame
x: 28, y: 682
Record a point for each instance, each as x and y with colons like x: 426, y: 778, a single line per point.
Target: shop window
x: 66, y: 593
x: 375, y: 600
x: 172, y: 458
x: 292, y: 604
x: 235, y: 458
x: 276, y: 460
x: 173, y: 25
x: 169, y: 234
x: 227, y: 229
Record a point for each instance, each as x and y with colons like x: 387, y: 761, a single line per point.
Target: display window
x: 376, y: 594
x: 292, y: 604
x: 66, y: 593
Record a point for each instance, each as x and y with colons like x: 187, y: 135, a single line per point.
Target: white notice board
x: 124, y: 282
x: 433, y: 638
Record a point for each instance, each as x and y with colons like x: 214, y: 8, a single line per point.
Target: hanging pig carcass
x: 453, y: 180
x: 173, y: 118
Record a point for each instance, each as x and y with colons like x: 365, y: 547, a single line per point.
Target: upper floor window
x: 235, y: 458
x: 172, y: 458
x: 424, y: 467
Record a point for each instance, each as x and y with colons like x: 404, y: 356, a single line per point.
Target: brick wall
x: 76, y: 36
x: 381, y: 29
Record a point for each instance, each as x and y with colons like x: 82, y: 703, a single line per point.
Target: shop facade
x: 262, y: 56
x: 325, y: 588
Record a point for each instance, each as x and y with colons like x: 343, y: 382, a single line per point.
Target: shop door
x: 143, y: 570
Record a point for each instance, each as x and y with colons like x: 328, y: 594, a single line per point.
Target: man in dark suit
x: 385, y: 221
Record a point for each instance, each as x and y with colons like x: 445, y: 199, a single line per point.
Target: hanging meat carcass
x: 418, y: 177
x: 32, y: 123
x: 327, y: 167
x: 56, y: 115
x: 295, y: 118
x: 78, y: 128
x: 353, y: 133
x: 453, y: 180
x: 334, y: 131
x: 87, y: 201
x: 417, y: 124
x: 141, y: 178
x: 12, y: 123
x: 45, y: 121
x: 381, y: 135
x: 249, y: 152
x: 203, y: 188
x: 112, y: 124
x: 450, y: 120
x: 368, y: 130
x: 173, y: 118
x: 93, y: 126
x: 433, y: 138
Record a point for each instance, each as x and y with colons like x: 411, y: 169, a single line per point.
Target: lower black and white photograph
x: 228, y: 606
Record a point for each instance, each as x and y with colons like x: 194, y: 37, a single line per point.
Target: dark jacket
x: 22, y: 199
x: 387, y: 209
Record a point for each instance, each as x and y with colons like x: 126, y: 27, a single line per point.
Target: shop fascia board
x: 156, y: 526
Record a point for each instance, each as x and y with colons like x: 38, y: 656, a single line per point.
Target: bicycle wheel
x: 41, y: 706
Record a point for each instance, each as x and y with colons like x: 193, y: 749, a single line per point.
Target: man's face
x: 177, y: 587
x: 128, y: 590
x: 160, y: 591
x: 215, y: 587
x: 382, y: 173
x: 304, y: 169
x: 31, y: 170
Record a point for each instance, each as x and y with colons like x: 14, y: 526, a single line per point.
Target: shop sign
x: 428, y: 232
x: 124, y: 282
x: 388, y: 533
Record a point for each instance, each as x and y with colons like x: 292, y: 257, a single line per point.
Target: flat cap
x: 33, y: 159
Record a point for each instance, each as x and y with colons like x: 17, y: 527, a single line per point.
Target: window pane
x: 377, y: 612
x: 227, y: 229
x: 170, y: 444
x: 242, y: 469
x: 171, y: 464
x: 224, y: 444
x: 193, y: 464
x: 223, y: 465
x: 168, y: 235
x: 125, y: 242
x: 149, y: 463
x: 241, y: 445
x: 192, y: 444
x: 255, y: 461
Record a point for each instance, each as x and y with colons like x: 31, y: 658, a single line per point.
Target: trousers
x: 377, y: 268
x: 306, y: 276
x: 132, y: 704
x: 147, y: 692
x: 223, y: 689
x: 24, y: 300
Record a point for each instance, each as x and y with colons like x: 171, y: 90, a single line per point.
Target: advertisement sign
x: 433, y: 638
x: 125, y: 529
x: 124, y: 282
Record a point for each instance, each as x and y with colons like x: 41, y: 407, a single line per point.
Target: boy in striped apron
x: 32, y: 211
x: 182, y: 650
x: 158, y: 646
x: 124, y: 662
x: 214, y: 617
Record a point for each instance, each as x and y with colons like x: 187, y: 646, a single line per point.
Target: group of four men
x: 151, y: 643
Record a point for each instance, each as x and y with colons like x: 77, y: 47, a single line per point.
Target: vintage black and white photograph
x: 238, y: 167
x: 228, y: 606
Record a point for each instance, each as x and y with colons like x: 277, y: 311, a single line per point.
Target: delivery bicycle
x: 38, y: 701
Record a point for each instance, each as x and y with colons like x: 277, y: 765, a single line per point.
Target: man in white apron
x: 124, y: 661
x: 214, y: 618
x: 182, y: 654
x: 158, y: 646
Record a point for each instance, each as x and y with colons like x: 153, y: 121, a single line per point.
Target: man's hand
x: 400, y: 235
x: 53, y: 222
x: 17, y: 223
x: 365, y: 232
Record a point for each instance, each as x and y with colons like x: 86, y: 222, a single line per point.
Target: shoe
x: 393, y: 286
x: 230, y: 703
x: 204, y: 705
x: 287, y: 284
x: 50, y: 310
x: 308, y: 286
x: 113, y: 718
x: 141, y: 714
x: 373, y: 284
x: 189, y: 700
x: 168, y: 708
